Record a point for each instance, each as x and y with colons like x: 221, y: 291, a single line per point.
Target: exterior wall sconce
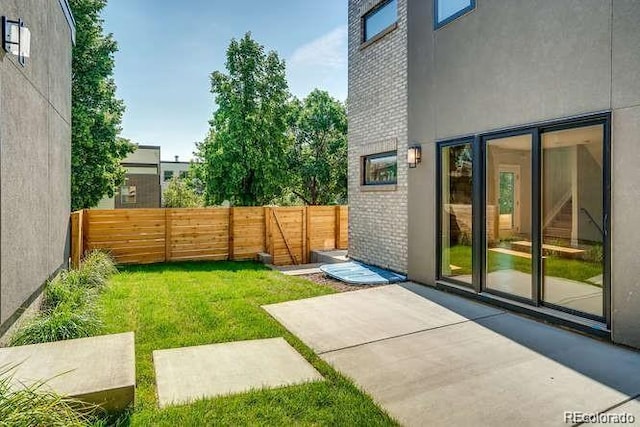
x: 414, y: 156
x: 16, y: 39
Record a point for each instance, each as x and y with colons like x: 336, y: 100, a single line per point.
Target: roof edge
x: 66, y: 9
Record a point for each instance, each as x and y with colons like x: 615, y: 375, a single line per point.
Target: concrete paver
x: 342, y: 320
x: 187, y: 374
x: 98, y: 370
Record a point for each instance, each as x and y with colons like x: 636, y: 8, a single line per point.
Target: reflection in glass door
x: 573, y: 226
x: 508, y: 215
x: 456, y: 213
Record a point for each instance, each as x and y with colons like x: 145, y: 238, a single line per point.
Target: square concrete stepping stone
x: 337, y: 321
x: 191, y: 373
x: 98, y: 370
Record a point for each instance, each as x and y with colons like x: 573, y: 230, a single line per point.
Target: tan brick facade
x: 378, y: 123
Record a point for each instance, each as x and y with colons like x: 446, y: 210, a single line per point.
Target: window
x: 184, y: 174
x: 128, y: 194
x: 450, y: 10
x: 168, y: 175
x: 379, y: 19
x: 380, y: 169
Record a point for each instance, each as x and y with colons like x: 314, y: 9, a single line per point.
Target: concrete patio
x: 431, y: 358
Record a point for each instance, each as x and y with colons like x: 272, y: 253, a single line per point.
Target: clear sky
x: 168, y: 49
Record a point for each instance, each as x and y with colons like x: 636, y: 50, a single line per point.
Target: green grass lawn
x: 572, y: 269
x: 189, y: 304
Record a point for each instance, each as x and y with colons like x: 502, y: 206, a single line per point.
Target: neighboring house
x: 526, y: 117
x: 168, y: 170
x: 35, y: 138
x: 141, y: 188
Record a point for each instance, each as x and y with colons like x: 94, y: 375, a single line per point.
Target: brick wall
x: 378, y: 123
x: 147, y: 192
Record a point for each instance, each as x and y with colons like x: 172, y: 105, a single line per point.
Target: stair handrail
x: 593, y: 221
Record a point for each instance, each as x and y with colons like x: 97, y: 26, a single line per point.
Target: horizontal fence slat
x: 144, y: 236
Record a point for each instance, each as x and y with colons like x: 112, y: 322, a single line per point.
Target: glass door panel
x: 456, y: 212
x: 573, y: 219
x: 508, y: 215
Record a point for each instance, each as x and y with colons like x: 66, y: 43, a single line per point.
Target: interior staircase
x: 560, y: 226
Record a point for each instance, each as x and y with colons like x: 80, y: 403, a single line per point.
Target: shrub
x: 34, y: 405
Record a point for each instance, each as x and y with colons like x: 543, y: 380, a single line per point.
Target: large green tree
x: 319, y: 155
x: 243, y: 160
x: 96, y: 149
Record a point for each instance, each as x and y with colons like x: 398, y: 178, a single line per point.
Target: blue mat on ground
x: 355, y: 273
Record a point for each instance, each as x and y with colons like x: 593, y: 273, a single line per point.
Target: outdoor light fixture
x: 414, y: 156
x: 16, y: 39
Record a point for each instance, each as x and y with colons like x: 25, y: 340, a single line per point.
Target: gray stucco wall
x: 35, y: 160
x: 378, y: 123
x: 625, y: 233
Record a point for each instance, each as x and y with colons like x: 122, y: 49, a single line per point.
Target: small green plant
x: 35, y: 405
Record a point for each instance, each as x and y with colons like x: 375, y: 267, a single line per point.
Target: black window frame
x: 537, y: 307
x: 363, y: 167
x: 439, y: 24
x: 167, y: 172
x: 363, y: 23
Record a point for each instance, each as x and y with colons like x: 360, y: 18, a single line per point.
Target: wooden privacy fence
x: 145, y: 236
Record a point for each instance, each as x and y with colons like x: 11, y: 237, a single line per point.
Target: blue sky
x: 169, y: 48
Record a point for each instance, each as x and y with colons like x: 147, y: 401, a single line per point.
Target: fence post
x: 167, y: 235
x: 338, y: 226
x: 268, y: 240
x: 305, y: 234
x: 84, y: 241
x: 76, y: 239
x: 231, y: 235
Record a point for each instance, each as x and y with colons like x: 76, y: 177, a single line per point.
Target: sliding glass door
x: 573, y: 219
x: 508, y: 231
x: 528, y: 219
x: 456, y: 212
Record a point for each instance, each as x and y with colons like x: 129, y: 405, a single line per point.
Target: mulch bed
x: 339, y: 286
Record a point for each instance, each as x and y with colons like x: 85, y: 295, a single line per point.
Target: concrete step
x: 329, y: 257
x: 265, y: 258
x: 97, y: 370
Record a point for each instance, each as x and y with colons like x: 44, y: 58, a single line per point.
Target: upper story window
x: 379, y: 20
x: 168, y: 175
x: 450, y: 10
x: 128, y: 194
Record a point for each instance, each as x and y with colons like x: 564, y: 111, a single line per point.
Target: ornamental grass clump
x: 96, y: 269
x: 69, y: 303
x: 36, y: 405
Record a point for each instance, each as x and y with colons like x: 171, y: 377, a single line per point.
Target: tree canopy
x: 179, y: 194
x: 319, y: 155
x: 96, y: 149
x: 265, y: 146
x: 243, y: 157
